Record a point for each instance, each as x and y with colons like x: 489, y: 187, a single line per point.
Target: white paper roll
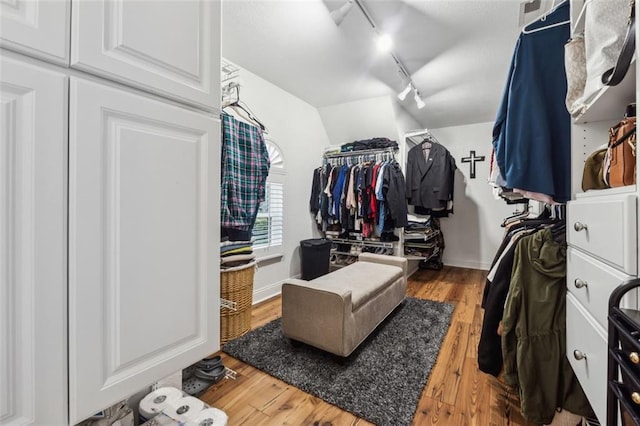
x: 184, y: 410
x: 212, y: 417
x: 157, y: 401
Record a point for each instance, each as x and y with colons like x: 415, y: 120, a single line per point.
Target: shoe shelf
x: 408, y: 239
x: 363, y: 243
x: 344, y: 253
x: 424, y: 258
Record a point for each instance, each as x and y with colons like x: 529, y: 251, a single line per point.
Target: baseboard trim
x: 469, y: 265
x: 269, y: 291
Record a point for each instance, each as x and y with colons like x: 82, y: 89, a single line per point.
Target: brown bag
x: 592, y: 173
x: 621, y: 154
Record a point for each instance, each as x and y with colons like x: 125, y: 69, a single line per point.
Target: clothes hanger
x: 544, y: 18
x: 517, y: 216
x: 237, y: 105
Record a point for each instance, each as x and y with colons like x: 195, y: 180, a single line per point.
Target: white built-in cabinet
x: 38, y: 28
x: 172, y: 50
x: 109, y: 211
x: 602, y: 233
x: 33, y: 245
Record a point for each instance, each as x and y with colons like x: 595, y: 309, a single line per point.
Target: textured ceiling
x: 457, y: 51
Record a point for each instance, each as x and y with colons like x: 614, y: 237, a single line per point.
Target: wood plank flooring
x: 456, y: 394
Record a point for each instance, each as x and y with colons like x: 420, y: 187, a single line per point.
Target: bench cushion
x: 364, y: 279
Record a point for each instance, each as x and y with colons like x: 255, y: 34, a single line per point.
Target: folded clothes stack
x: 236, y: 253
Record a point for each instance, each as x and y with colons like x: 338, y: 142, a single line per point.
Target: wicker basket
x: 236, y: 285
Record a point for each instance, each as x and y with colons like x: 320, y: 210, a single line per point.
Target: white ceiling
x: 457, y: 51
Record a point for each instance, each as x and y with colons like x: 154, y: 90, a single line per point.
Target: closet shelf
x: 362, y: 242
x: 629, y: 189
x: 344, y: 253
x: 413, y: 239
x: 610, y: 101
x: 391, y: 150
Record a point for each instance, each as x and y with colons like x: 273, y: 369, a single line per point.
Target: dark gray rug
x: 380, y: 382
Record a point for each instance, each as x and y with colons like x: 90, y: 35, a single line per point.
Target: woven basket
x: 236, y: 285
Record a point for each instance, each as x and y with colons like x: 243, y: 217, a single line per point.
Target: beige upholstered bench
x: 337, y: 311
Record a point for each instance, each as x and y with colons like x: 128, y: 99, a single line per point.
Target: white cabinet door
x: 143, y: 242
x: 169, y: 47
x: 33, y: 245
x: 39, y: 28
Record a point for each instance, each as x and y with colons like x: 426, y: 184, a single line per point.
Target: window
x: 268, y: 228
x: 268, y: 231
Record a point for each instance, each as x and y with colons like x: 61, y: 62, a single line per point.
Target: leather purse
x: 592, y: 173
x: 620, y: 161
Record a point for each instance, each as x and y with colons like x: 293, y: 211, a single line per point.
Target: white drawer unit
x: 587, y: 354
x: 591, y: 282
x: 605, y: 227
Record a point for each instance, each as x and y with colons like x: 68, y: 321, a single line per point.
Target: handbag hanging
x: 620, y: 161
x: 605, y: 29
x: 615, y: 75
x: 575, y: 64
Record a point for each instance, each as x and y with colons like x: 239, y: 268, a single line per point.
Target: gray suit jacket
x: 429, y: 182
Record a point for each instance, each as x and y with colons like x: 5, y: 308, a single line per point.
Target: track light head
x: 416, y: 97
x: 403, y: 95
x: 340, y: 13
x: 384, y: 42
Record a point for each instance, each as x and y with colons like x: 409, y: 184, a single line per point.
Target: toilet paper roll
x: 157, y: 401
x: 211, y: 417
x: 184, y: 410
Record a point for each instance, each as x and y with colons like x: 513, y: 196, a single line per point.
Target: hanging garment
x: 393, y: 188
x: 245, y: 166
x: 316, y: 184
x: 532, y: 131
x: 430, y: 181
x: 490, y: 344
x: 534, y: 332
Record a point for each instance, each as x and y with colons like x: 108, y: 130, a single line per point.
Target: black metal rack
x: 623, y: 371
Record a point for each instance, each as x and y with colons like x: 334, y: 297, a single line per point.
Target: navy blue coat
x: 532, y: 132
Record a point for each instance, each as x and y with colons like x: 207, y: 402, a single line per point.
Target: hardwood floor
x: 457, y: 393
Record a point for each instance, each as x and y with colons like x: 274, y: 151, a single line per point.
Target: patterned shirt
x: 245, y: 166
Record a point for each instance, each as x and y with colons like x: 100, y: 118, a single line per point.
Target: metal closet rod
x: 362, y: 152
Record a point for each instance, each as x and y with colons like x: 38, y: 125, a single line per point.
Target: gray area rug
x: 380, y: 382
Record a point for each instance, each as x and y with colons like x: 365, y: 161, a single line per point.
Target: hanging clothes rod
x: 360, y: 152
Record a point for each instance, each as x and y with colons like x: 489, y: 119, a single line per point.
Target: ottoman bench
x: 337, y: 311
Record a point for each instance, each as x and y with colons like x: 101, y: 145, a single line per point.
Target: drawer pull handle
x: 579, y: 226
x: 634, y: 357
x: 579, y: 283
x: 579, y: 355
x: 635, y: 397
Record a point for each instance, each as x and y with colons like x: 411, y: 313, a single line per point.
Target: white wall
x: 473, y: 233
x: 296, y: 128
x: 364, y: 119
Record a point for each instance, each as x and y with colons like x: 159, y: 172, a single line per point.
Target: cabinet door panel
x: 144, y: 238
x: 33, y: 245
x: 38, y: 28
x: 169, y: 47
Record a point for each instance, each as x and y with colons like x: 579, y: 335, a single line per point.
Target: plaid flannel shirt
x: 245, y: 166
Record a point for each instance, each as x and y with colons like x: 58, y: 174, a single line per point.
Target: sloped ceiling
x: 457, y: 51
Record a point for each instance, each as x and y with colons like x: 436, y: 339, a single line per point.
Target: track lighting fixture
x: 340, y: 13
x: 416, y: 97
x: 403, y: 95
x: 385, y: 44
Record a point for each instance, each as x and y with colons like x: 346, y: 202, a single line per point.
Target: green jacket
x: 534, y: 332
